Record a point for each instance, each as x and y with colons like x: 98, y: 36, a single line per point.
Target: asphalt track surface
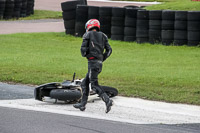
x: 23, y: 121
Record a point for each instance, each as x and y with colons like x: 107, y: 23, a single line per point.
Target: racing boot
x: 108, y: 101
x: 82, y: 104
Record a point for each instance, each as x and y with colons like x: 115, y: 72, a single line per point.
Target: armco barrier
x: 135, y: 24
x: 16, y: 8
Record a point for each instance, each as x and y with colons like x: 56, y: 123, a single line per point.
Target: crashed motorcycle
x: 67, y: 91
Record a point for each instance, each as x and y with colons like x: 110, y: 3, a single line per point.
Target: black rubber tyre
x: 155, y: 15
x: 79, y: 29
x: 70, y: 31
x: 180, y: 35
x: 181, y: 15
x: 131, y: 12
x: 93, y: 12
x: 129, y: 38
x: 154, y: 33
x: 65, y: 94
x: 105, y: 20
x: 129, y: 31
x: 193, y: 25
x: 69, y: 24
x: 142, y: 24
x: 193, y: 35
x: 180, y: 42
x: 69, y: 15
x: 155, y: 24
x: 168, y: 25
x: 23, y: 8
x: 143, y: 14
x: 130, y: 22
x: 17, y: 8
x: 142, y: 33
x: 9, y: 8
x: 105, y: 11
x: 116, y: 30
x: 107, y: 30
x: 142, y: 40
x: 82, y: 13
x: 69, y: 5
x: 118, y: 12
x: 2, y: 8
x: 180, y: 25
x: 117, y: 21
x: 193, y: 16
x: 168, y: 15
x: 110, y: 91
x: 117, y: 37
x: 167, y: 34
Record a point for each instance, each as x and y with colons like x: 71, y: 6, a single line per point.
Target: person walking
x: 93, y: 46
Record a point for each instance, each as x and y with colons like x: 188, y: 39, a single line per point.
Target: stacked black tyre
x: 155, y: 26
x: 105, y: 16
x: 180, y: 28
x: 168, y: 18
x: 17, y: 9
x: 193, y: 28
x: 93, y: 12
x: 23, y: 8
x: 9, y: 8
x: 130, y: 24
x: 29, y: 8
x: 69, y: 16
x: 142, y: 30
x: 117, y: 28
x: 81, y: 19
x: 2, y: 8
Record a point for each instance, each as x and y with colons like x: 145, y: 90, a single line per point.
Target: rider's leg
x: 93, y: 78
x: 85, y: 91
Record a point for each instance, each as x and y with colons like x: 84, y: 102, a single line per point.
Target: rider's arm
x: 84, y: 46
x: 107, y: 48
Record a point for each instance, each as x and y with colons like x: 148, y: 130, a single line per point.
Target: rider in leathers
x: 93, y: 46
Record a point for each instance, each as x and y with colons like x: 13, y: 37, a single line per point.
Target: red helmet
x: 92, y: 23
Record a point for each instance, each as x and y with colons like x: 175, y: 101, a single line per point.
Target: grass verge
x: 42, y: 14
x: 185, y: 5
x: 156, y: 72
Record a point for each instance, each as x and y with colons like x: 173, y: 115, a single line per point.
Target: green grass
x: 156, y: 72
x: 185, y: 5
x: 42, y: 14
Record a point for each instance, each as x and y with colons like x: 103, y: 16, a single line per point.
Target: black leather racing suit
x: 93, y: 46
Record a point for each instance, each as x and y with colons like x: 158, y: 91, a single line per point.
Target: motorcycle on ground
x: 67, y: 91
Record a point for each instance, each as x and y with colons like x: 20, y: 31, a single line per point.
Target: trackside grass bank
x: 156, y: 72
x: 42, y: 14
x: 185, y: 5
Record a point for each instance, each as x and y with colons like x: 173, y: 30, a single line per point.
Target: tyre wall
x: 135, y: 24
x: 117, y: 23
x: 16, y: 8
x: 69, y: 16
